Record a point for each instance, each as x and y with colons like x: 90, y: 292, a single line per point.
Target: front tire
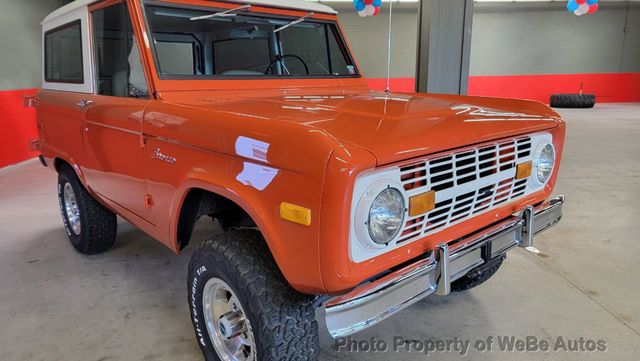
x: 90, y: 226
x: 242, y: 308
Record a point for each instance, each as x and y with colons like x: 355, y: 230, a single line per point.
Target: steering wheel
x: 280, y: 59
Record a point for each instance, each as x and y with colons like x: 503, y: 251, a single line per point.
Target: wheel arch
x: 199, y: 202
x: 258, y: 211
x: 59, y: 162
x: 195, y: 192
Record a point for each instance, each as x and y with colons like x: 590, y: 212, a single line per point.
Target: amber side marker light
x: 296, y: 214
x: 523, y: 170
x: 422, y: 203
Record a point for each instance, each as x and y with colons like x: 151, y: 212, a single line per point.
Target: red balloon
x: 580, y: 2
x: 593, y: 8
x: 369, y: 2
x: 377, y: 11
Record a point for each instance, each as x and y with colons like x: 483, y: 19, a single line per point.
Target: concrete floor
x: 130, y: 303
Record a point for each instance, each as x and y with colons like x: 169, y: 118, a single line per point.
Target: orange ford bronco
x: 331, y: 196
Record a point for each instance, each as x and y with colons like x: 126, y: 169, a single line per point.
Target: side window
x: 179, y: 53
x: 338, y: 55
x: 241, y: 56
x: 177, y: 58
x: 119, y: 69
x: 309, y: 42
x: 63, y: 54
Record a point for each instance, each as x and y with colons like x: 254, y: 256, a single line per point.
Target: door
x: 60, y: 122
x: 113, y: 115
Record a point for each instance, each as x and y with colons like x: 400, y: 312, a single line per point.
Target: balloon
x: 370, y: 10
x: 368, y: 7
x: 583, y: 9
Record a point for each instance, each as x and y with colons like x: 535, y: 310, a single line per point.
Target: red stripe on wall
x: 609, y: 88
x: 17, y: 126
x: 18, y: 123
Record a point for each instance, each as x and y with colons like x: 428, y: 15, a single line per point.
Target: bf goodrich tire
x: 90, y: 226
x: 572, y: 101
x: 234, y: 283
x: 477, y: 276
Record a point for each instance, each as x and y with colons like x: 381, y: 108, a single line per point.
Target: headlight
x: 544, y: 160
x: 386, y: 215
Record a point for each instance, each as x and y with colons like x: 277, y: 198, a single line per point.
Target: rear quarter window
x: 63, y: 54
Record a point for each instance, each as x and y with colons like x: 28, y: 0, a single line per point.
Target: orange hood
x: 398, y: 126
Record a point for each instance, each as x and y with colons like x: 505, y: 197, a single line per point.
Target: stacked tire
x: 575, y: 101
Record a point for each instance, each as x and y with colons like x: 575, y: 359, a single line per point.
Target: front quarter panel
x: 257, y: 163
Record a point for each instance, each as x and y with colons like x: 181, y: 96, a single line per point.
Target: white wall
x: 20, y: 42
x: 368, y: 39
x: 547, y: 39
x: 508, y: 39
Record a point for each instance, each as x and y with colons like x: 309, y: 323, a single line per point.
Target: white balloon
x: 363, y: 13
x: 370, y: 10
x: 583, y: 9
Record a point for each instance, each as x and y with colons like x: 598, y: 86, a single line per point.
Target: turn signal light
x: 523, y: 170
x: 296, y: 214
x: 422, y: 203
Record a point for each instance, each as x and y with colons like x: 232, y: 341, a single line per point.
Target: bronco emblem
x: 165, y: 158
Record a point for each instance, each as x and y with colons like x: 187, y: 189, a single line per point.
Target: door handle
x: 84, y: 103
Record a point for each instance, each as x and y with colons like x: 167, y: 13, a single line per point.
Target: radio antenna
x: 388, y: 90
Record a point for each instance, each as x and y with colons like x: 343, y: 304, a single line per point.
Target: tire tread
x: 576, y: 101
x: 99, y: 225
x: 287, y: 329
x: 476, y: 277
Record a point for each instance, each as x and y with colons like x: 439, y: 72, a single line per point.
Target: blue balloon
x: 378, y: 3
x: 572, y: 6
x: 360, y: 5
x: 591, y: 2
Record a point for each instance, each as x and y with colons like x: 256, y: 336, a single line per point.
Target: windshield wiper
x: 294, y: 22
x: 227, y: 13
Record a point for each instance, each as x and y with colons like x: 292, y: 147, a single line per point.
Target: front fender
x: 294, y: 247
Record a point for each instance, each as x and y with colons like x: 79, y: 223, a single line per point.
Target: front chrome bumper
x: 377, y: 300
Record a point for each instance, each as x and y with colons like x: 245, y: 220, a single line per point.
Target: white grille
x: 467, y: 183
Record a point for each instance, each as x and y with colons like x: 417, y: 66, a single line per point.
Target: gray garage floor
x: 130, y: 303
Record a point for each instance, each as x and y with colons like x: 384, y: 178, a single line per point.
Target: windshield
x: 194, y: 44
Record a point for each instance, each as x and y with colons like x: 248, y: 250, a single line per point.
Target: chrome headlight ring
x: 380, y: 213
x: 544, y: 161
x: 386, y: 215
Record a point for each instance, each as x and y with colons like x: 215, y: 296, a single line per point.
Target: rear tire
x: 280, y: 321
x: 90, y: 226
x: 578, y: 101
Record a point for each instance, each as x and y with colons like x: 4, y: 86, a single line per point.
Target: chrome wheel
x: 72, y: 209
x: 228, y: 326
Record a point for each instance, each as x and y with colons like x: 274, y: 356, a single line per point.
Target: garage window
x: 63, y: 54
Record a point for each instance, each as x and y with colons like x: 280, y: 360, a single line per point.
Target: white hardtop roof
x: 284, y: 4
